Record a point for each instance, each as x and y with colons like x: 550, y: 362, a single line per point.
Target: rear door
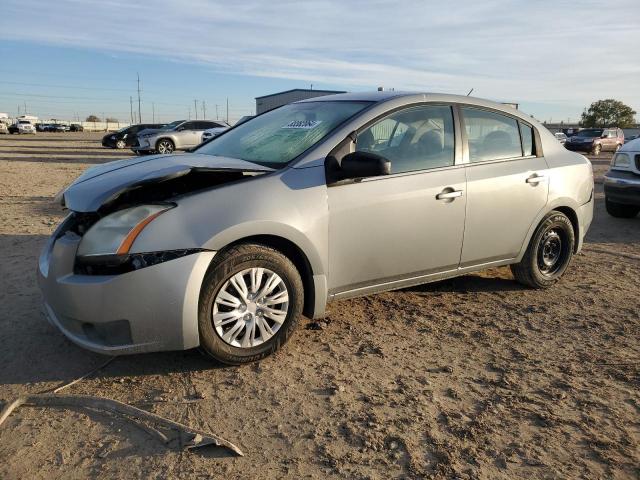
x: 190, y: 135
x: 507, y: 185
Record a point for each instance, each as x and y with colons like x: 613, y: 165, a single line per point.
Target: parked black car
x: 75, y: 127
x: 126, y: 137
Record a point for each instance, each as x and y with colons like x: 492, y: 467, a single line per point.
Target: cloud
x: 555, y: 52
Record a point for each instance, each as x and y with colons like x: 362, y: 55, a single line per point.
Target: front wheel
x: 548, y: 254
x: 120, y: 144
x: 597, y: 149
x: 250, y: 304
x: 165, y: 146
x: 620, y: 210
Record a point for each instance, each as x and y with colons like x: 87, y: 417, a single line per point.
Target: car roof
x: 399, y: 97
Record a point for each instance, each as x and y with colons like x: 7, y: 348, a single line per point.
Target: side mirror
x: 364, y: 164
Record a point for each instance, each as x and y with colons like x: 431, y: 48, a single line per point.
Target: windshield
x: 277, y: 137
x: 589, y: 133
x: 172, y: 125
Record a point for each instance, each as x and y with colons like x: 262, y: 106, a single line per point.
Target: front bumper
x: 109, y: 142
x: 144, y: 145
x: 622, y: 187
x: 151, y: 309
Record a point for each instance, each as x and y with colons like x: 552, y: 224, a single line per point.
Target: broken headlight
x: 115, y: 233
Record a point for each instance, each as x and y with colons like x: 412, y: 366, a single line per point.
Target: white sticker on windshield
x: 303, y: 124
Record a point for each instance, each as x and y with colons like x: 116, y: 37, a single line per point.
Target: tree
x: 608, y: 113
x: 93, y: 118
x: 112, y: 120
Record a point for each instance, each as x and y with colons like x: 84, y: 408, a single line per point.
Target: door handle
x: 449, y: 195
x: 535, y: 179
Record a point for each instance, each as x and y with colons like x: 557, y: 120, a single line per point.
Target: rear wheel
x: 620, y: 210
x: 165, y: 145
x: 250, y: 304
x: 597, y: 149
x: 548, y: 254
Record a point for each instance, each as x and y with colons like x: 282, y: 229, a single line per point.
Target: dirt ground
x: 475, y: 377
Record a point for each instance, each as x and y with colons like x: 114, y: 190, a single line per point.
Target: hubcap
x: 550, y: 252
x: 120, y: 144
x: 250, y: 307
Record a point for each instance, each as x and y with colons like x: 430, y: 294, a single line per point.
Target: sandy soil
x: 474, y: 377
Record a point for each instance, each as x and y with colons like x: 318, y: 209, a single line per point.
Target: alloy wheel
x: 250, y: 307
x: 165, y: 146
x: 120, y: 144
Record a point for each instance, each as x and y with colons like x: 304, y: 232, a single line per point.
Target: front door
x: 507, y: 186
x: 407, y: 224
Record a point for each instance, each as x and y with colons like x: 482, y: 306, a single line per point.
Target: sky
x: 68, y: 58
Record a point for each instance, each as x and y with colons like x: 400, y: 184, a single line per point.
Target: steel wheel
x: 165, y: 146
x: 550, y: 252
x: 250, y: 307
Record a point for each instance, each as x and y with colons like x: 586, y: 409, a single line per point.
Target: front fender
x: 290, y: 204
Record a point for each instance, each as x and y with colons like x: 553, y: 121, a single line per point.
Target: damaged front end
x: 115, y: 198
x: 105, y: 294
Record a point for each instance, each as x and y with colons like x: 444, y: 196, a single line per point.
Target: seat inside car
x: 497, y: 144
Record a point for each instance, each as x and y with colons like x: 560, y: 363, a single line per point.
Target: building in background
x: 275, y: 100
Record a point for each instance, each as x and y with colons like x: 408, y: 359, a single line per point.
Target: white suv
x: 22, y: 126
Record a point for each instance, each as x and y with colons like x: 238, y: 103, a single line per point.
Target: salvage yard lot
x: 475, y: 377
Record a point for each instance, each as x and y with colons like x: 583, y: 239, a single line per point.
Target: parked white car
x: 22, y: 126
x: 182, y: 136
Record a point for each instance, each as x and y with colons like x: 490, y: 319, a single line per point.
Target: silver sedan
x: 329, y: 198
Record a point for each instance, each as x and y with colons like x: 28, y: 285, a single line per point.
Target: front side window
x: 279, y: 136
x: 491, y: 136
x: 417, y: 138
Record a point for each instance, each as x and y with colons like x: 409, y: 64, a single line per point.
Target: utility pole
x: 25, y: 107
x: 227, y: 109
x: 189, y: 113
x: 153, y: 110
x: 204, y: 110
x: 139, y: 106
x: 217, y: 117
x: 195, y: 108
x: 131, y: 106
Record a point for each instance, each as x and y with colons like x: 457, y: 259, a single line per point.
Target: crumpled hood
x: 103, y: 183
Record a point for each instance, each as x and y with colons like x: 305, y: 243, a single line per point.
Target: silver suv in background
x: 320, y: 200
x: 176, y: 136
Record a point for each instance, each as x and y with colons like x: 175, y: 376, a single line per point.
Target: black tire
x: 165, y: 146
x: 620, y: 210
x: 537, y: 268
x: 597, y: 149
x: 225, y: 265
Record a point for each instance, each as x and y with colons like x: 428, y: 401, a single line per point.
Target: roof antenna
x: 469, y: 92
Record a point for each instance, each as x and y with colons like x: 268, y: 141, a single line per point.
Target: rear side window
x: 526, y: 132
x: 491, y: 136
